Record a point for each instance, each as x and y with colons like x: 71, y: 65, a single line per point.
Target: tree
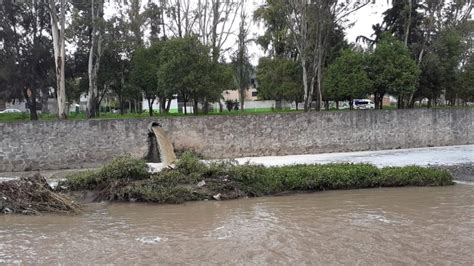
x: 215, y: 21
x: 58, y: 25
x: 347, y: 78
x: 26, y: 55
x: 114, y: 74
x: 423, y: 26
x: 241, y: 60
x: 186, y: 69
x: 144, y: 73
x: 467, y: 81
x: 392, y: 70
x: 310, y: 23
x: 276, y: 41
x: 218, y: 77
x: 95, y: 53
x: 431, y: 79
x: 279, y: 79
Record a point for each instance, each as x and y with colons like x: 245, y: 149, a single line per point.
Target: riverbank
x: 127, y: 179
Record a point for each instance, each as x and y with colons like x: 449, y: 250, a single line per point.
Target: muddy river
x: 371, y: 226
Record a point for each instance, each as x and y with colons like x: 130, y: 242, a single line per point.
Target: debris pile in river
x: 33, y: 195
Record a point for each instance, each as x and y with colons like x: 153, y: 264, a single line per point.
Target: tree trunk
x: 337, y: 105
x: 122, y: 105
x: 168, y: 105
x: 381, y: 101
x: 57, y: 30
x: 306, y: 106
x: 205, y: 107
x: 242, y: 99
x: 319, y: 89
x: 30, y: 96
x: 94, y: 59
x: 44, y: 101
x: 311, y: 92
x: 162, y: 105
x: 408, y: 25
x: 150, y: 106
x: 185, y: 108
x: 378, y: 99
x: 195, y: 107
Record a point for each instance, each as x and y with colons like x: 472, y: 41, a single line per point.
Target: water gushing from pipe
x: 165, y: 146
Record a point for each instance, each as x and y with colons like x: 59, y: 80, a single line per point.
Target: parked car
x: 363, y: 104
x: 6, y: 111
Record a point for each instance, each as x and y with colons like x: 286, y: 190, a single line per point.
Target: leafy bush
x: 123, y: 168
x: 414, y: 176
x: 190, y: 164
x: 80, y: 180
x: 258, y: 180
x: 127, y: 179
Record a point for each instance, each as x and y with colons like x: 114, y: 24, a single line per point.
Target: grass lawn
x: 16, y: 117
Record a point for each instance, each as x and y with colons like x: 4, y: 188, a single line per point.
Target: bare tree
x: 310, y: 23
x: 216, y: 19
x: 57, y: 30
x: 181, y: 17
x: 95, y: 52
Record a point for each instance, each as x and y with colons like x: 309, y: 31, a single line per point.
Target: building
x: 234, y: 95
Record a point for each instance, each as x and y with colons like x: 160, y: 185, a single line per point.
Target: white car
x: 362, y: 104
x: 7, y: 111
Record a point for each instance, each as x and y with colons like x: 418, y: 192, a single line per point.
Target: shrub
x: 127, y: 179
x: 80, y: 180
x: 123, y: 168
x: 258, y: 180
x: 414, y: 176
x: 189, y: 164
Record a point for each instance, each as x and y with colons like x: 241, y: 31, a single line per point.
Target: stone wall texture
x: 43, y: 145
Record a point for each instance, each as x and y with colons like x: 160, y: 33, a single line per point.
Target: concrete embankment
x: 49, y: 145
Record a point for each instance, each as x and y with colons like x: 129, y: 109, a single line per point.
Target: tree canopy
x: 279, y: 79
x: 347, y: 78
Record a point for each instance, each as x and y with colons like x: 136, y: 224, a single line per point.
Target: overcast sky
x: 363, y: 20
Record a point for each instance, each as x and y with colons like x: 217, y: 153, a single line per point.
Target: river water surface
x: 370, y: 226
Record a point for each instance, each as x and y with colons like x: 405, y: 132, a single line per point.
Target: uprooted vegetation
x: 33, y: 195
x: 126, y: 179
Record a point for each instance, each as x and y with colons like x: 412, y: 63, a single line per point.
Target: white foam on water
x: 150, y: 239
x: 464, y: 182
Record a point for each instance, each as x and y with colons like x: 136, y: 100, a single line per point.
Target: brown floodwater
x: 370, y: 226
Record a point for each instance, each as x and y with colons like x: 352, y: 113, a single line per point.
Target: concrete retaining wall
x: 78, y: 144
